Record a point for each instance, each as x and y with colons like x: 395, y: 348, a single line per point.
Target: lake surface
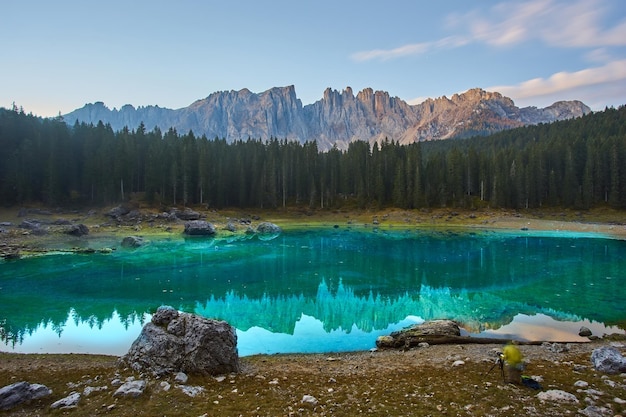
x: 318, y: 290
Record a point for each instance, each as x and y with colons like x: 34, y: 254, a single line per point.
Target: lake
x: 319, y: 289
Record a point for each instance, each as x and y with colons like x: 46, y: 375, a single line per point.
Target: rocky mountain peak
x: 338, y: 118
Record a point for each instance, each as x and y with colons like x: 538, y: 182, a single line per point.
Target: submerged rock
x: 181, y: 342
x: 268, y: 231
x: 133, y: 242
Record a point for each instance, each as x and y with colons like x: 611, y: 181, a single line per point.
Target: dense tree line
x: 579, y: 163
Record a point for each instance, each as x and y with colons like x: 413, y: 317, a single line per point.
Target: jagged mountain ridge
x: 337, y: 119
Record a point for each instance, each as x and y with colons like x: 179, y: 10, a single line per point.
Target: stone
x: 309, y: 400
x: 77, y: 230
x: 190, y: 390
x: 182, y: 342
x: 556, y: 347
x: 608, y: 360
x: 181, y: 378
x: 20, y: 393
x: 199, y: 228
x: 555, y: 395
x: 71, y: 401
x: 131, y: 389
x: 89, y: 390
x: 34, y: 226
x: 133, y: 242
x: 584, y: 332
x: 267, y: 231
x: 118, y: 211
x: 188, y: 214
x: 595, y: 411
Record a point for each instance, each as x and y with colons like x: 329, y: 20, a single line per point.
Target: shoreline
x: 16, y: 241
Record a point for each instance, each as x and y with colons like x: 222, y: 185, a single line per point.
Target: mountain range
x: 337, y: 119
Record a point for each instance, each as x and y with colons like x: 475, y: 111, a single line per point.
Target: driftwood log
x: 436, y: 332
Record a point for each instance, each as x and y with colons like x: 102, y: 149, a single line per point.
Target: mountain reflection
x: 347, y: 280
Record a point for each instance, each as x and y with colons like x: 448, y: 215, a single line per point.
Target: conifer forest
x: 578, y: 164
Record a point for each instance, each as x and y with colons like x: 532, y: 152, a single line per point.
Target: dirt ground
x: 427, y: 381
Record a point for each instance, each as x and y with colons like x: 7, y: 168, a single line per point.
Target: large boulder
x: 609, y: 360
x: 199, y: 228
x: 173, y: 342
x: 21, y: 392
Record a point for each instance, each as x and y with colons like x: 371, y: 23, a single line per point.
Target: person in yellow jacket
x: 513, y: 361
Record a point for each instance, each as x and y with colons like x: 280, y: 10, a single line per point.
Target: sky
x: 56, y: 56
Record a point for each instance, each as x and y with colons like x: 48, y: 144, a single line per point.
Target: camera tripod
x: 500, y: 362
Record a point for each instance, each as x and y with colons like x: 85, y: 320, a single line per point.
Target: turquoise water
x: 321, y: 290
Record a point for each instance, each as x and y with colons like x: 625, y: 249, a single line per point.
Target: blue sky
x: 58, y: 55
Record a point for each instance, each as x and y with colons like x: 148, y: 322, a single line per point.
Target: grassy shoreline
x: 19, y: 242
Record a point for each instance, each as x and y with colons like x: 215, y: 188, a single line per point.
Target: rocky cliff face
x: 337, y: 119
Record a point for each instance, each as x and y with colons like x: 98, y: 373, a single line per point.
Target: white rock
x: 595, y: 411
x: 131, y: 389
x: 165, y: 386
x: 190, y: 390
x: 619, y: 400
x: 557, y: 396
x: 70, y: 401
x: 309, y: 400
x: 181, y: 378
x: 458, y: 363
x: 88, y: 390
x: 581, y: 384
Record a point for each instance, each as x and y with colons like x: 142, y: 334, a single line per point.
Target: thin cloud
x: 556, y: 23
x: 553, y: 22
x: 386, y: 54
x: 410, y: 49
x: 562, y: 82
